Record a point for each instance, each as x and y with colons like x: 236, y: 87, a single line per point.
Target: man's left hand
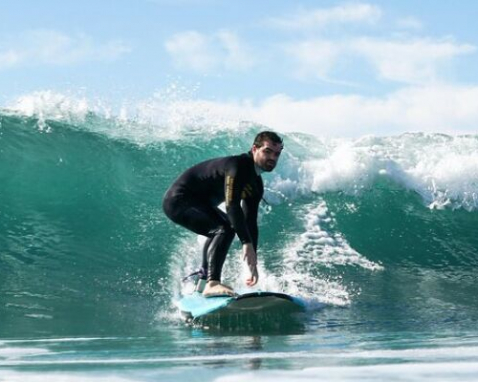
x: 254, y: 278
x: 250, y: 257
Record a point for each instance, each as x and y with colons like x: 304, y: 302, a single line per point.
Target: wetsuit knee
x: 225, y: 230
x: 170, y: 208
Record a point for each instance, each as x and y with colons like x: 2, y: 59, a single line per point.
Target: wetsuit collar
x: 259, y: 171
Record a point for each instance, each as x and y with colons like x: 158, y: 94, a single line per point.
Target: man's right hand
x: 251, y: 258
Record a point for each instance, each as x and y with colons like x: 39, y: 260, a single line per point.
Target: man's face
x: 267, y: 156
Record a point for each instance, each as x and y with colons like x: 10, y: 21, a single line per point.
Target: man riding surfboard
x: 192, y: 201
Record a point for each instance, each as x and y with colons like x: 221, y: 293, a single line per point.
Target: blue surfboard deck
x: 196, y: 305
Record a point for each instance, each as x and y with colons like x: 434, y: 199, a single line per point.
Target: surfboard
x: 196, y: 305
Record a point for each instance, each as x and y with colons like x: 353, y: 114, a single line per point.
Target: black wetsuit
x: 193, y: 199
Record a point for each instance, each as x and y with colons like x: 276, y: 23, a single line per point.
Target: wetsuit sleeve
x: 251, y: 209
x: 235, y: 179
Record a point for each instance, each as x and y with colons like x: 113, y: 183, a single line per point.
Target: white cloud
x: 401, y: 58
x: 314, y: 58
x: 411, y: 61
x: 53, y: 47
x: 192, y: 50
x: 237, y: 55
x: 445, y: 109
x: 208, y: 53
x: 414, y: 61
x: 322, y: 17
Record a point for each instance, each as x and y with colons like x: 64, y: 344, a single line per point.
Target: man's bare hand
x: 254, y: 278
x: 250, y: 257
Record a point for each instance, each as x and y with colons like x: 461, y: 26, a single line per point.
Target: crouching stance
x: 193, y: 199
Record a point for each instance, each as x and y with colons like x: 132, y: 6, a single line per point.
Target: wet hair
x: 267, y: 136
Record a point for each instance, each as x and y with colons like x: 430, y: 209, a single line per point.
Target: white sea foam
x: 319, y: 245
x: 435, y: 372
x: 176, y: 110
x: 327, y: 246
x: 10, y: 353
x: 49, y: 105
x: 442, y: 170
x: 445, y: 354
x: 457, y: 371
x: 169, y: 114
x: 62, y: 339
x: 435, y: 361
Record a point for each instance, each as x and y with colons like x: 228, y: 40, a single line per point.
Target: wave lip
x: 442, y: 169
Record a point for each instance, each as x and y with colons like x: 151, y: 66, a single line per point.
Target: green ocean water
x: 377, y: 234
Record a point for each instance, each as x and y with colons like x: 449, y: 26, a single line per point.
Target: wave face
x: 85, y: 248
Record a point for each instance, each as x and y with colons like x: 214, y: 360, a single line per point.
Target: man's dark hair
x: 267, y: 136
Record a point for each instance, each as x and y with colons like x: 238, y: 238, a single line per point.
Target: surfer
x: 193, y: 199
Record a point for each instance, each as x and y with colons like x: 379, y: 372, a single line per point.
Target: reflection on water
x: 251, y: 324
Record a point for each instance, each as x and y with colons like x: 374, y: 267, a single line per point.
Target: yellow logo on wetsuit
x: 247, y: 192
x: 229, y: 186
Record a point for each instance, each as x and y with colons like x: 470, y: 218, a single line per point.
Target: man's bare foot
x: 215, y: 288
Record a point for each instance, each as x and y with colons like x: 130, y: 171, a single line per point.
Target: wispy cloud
x: 192, y: 50
x: 400, y: 57
x: 9, y: 58
x: 39, y: 47
x: 406, y: 60
x: 208, y: 53
x: 322, y: 17
x: 409, y: 22
x: 410, y: 61
x: 237, y: 55
x: 313, y: 58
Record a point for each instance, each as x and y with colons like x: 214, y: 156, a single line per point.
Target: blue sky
x: 325, y: 67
